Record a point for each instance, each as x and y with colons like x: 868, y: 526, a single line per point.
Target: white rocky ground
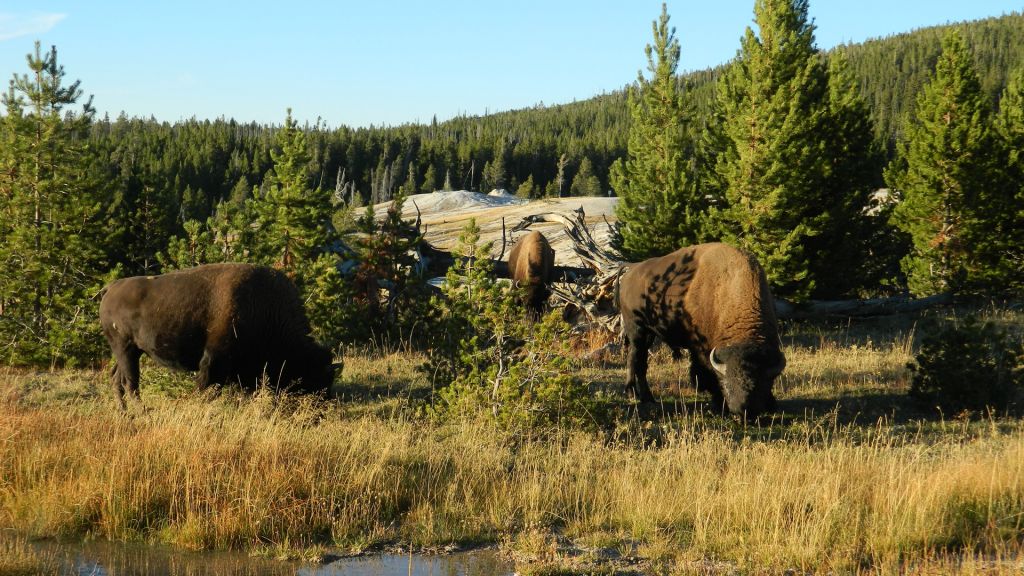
x: 444, y: 214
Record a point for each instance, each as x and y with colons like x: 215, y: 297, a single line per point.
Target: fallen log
x: 857, y: 308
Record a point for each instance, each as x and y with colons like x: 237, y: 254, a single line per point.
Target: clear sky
x: 388, y: 62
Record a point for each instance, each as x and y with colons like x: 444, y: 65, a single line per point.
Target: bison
x: 230, y: 322
x: 712, y: 299
x: 529, y: 266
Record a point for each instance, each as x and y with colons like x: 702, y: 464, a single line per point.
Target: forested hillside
x: 202, y: 162
x: 893, y: 70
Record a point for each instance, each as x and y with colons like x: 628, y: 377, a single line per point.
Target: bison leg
x: 125, y: 375
x: 704, y: 378
x: 636, y: 366
x: 213, y: 369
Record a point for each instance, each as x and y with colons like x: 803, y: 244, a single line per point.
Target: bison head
x: 315, y: 372
x: 746, y: 373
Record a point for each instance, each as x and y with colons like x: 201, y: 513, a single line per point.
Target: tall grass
x: 821, y: 492
x: 222, y: 473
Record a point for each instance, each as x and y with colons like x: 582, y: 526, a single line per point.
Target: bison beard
x: 529, y: 266
x: 230, y: 322
x: 713, y: 300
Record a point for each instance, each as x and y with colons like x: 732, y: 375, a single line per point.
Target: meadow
x: 850, y: 476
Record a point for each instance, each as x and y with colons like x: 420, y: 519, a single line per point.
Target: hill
x: 197, y: 164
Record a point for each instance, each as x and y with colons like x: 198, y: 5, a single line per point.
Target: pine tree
x: 774, y: 101
x: 1008, y: 229
x: 944, y: 169
x: 292, y: 220
x: 429, y: 180
x: 195, y: 248
x: 585, y: 182
x: 50, y: 249
x: 292, y: 229
x: 850, y: 240
x: 527, y: 189
x: 385, y: 251
x: 409, y: 187
x: 659, y: 207
x: 494, y: 173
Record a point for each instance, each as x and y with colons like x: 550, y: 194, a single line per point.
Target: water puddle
x: 121, y: 559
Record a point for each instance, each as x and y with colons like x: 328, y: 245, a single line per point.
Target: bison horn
x: 718, y: 366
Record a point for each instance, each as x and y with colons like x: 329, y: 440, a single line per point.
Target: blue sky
x: 387, y: 62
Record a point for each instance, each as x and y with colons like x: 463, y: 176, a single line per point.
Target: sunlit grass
x: 851, y: 477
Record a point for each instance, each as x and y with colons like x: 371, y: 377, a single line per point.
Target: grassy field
x: 850, y: 477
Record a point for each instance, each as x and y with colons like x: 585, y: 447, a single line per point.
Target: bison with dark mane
x: 713, y: 300
x: 529, y: 266
x: 233, y: 323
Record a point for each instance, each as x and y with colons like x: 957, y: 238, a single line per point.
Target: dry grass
x: 853, y: 478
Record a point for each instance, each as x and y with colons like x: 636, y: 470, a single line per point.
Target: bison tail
x: 618, y: 278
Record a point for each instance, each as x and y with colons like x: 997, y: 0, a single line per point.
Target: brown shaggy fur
x: 705, y: 297
x: 529, y: 266
x: 230, y: 322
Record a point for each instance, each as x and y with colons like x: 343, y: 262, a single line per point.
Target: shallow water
x: 120, y: 559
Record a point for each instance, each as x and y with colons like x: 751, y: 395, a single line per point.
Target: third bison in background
x: 529, y: 266
x: 713, y: 300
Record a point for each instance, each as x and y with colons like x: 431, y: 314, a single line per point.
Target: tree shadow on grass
x: 855, y: 415
x: 380, y: 387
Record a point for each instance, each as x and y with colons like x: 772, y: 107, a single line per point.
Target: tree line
x: 85, y: 199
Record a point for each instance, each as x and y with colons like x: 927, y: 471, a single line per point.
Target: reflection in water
x: 484, y: 563
x: 119, y: 559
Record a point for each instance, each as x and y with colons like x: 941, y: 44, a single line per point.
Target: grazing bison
x: 529, y: 266
x: 231, y: 322
x: 713, y: 300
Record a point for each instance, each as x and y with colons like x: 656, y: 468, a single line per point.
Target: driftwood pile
x: 592, y: 293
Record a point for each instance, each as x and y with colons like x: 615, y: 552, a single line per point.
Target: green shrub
x: 486, y: 358
x: 969, y: 365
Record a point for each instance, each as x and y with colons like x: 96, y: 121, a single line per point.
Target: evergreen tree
x: 494, y: 175
x: 774, y: 101
x: 292, y: 220
x: 585, y: 182
x: 195, y: 248
x: 850, y: 252
x: 943, y: 173
x: 50, y: 248
x: 429, y: 180
x: 484, y: 360
x: 409, y: 187
x: 193, y: 205
x: 659, y: 207
x: 1009, y: 214
x: 231, y: 232
x: 385, y: 250
x: 527, y: 189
